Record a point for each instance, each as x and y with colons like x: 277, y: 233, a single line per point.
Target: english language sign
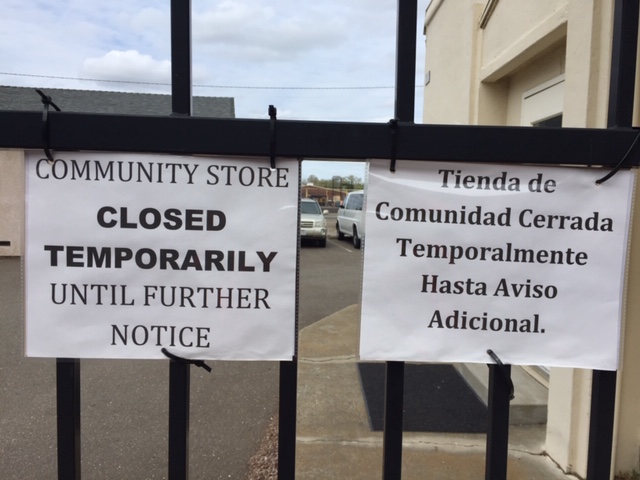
x: 129, y: 254
x: 526, y: 261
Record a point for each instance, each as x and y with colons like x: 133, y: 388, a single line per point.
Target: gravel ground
x: 264, y: 464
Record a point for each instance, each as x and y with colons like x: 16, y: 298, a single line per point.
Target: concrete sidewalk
x: 336, y: 442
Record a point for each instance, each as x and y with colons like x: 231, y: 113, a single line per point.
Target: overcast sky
x: 313, y: 60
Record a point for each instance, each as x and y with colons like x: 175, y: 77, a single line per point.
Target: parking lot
x: 125, y: 402
x: 329, y: 277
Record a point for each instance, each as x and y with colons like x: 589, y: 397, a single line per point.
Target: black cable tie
x: 46, y: 100
x: 503, y: 371
x: 273, y: 111
x: 393, y: 124
x: 617, y: 168
x: 197, y: 363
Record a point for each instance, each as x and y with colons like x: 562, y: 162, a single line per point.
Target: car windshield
x: 310, y: 207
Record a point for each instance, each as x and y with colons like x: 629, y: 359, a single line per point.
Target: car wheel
x: 356, y: 238
x: 323, y: 242
x: 340, y: 234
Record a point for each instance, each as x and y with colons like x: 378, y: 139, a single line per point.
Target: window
x: 354, y: 202
x: 542, y: 105
x: 310, y: 207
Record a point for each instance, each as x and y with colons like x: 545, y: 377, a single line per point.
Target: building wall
x: 12, y: 202
x: 521, y: 45
x: 627, y: 426
x: 518, y: 31
x: 450, y: 62
x: 627, y: 435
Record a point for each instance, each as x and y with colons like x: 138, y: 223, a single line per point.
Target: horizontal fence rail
x: 316, y: 139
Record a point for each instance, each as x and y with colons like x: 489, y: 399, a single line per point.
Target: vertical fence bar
x: 181, y: 57
x: 498, y: 432
x: 623, y: 64
x: 179, y: 383
x: 404, y: 111
x: 603, y: 404
x: 288, y: 392
x: 393, y: 420
x: 287, y: 419
x: 406, y: 60
x: 179, y: 372
x: 68, y: 417
x: 621, y: 101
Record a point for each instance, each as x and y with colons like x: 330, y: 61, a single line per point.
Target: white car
x: 350, y: 220
x: 313, y: 225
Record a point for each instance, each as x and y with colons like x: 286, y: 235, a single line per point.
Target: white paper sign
x: 128, y: 254
x: 525, y: 261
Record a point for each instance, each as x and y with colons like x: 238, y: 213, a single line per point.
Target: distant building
x: 325, y: 196
x: 86, y: 101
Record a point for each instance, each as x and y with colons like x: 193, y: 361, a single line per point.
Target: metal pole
x: 181, y: 57
x: 287, y: 419
x: 623, y: 64
x: 288, y: 392
x: 498, y: 432
x: 68, y: 408
x: 179, y: 383
x: 393, y: 421
x: 404, y: 111
x: 406, y: 60
x: 179, y: 372
x: 621, y: 100
x: 603, y: 404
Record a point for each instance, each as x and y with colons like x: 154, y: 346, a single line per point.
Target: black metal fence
x: 401, y: 138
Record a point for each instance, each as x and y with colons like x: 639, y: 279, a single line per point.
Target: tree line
x: 349, y: 182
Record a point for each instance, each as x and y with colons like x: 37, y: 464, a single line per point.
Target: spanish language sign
x: 526, y: 261
x: 128, y: 254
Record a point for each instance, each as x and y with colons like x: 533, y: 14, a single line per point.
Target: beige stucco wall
x: 588, y: 62
x: 627, y: 427
x: 627, y: 434
x: 12, y: 201
x: 450, y: 62
x: 515, y: 21
x: 524, y: 44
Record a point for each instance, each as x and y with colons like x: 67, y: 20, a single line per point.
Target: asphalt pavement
x: 125, y: 409
x: 330, y: 277
x: 125, y: 402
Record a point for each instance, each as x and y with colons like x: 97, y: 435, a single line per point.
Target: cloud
x: 267, y: 33
x: 128, y: 65
x: 147, y: 30
x: 150, y: 18
x: 236, y: 43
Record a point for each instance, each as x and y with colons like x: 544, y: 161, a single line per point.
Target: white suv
x: 313, y: 225
x: 350, y: 220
